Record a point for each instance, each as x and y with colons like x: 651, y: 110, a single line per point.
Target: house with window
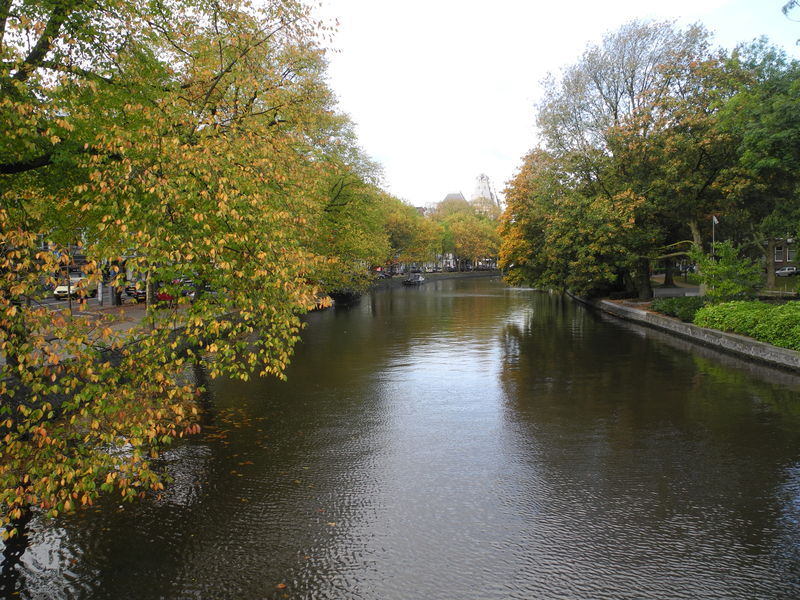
x: 785, y: 253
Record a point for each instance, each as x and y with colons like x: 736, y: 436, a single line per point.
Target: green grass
x: 786, y: 284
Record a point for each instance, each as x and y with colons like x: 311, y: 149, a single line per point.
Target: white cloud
x: 443, y: 90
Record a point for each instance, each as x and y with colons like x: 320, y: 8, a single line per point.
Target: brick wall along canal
x: 463, y: 440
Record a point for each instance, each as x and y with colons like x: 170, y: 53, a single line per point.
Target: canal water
x: 463, y: 440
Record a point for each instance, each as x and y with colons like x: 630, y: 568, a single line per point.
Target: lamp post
x: 714, y: 222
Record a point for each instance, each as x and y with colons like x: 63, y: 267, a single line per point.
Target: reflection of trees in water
x: 55, y: 554
x: 624, y: 419
x: 622, y: 441
x: 786, y: 548
x: 11, y: 582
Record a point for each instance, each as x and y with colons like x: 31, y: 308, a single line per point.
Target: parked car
x: 137, y: 293
x: 786, y: 271
x: 77, y: 283
x: 166, y: 294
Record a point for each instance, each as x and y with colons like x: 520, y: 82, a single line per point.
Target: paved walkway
x: 682, y: 288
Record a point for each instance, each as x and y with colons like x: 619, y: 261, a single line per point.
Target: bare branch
x: 37, y: 54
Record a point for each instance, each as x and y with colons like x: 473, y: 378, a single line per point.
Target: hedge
x: 682, y: 307
x: 776, y: 324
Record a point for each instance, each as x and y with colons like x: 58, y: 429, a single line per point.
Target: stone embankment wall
x: 732, y: 343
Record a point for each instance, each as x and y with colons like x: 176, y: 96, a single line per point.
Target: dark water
x: 464, y: 440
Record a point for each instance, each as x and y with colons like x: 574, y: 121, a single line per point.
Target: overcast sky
x: 444, y: 90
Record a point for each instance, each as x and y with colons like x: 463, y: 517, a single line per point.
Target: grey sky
x: 443, y: 90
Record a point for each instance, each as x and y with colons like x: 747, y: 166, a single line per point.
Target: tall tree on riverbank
x: 413, y: 238
x: 591, y: 118
x: 764, y: 117
x: 187, y: 140
x: 469, y: 229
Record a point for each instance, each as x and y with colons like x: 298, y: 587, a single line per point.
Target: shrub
x: 684, y: 308
x: 727, y: 275
x: 778, y: 325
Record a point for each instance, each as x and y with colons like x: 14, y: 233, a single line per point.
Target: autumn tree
x: 412, y: 237
x: 630, y: 132
x: 189, y: 141
x: 557, y: 236
x: 351, y: 228
x: 469, y: 228
x: 473, y: 238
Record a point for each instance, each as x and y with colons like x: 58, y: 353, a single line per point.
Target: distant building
x: 785, y: 253
x: 456, y: 196
x: 483, y: 189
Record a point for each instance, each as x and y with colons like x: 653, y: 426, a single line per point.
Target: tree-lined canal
x: 463, y: 440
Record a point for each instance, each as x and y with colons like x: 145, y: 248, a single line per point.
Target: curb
x: 732, y: 343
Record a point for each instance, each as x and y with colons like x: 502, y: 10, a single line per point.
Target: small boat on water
x: 414, y: 279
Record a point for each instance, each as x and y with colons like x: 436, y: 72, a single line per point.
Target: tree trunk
x: 770, y: 262
x: 630, y: 283
x: 669, y: 270
x: 698, y: 243
x: 696, y: 237
x: 148, y: 289
x: 643, y: 287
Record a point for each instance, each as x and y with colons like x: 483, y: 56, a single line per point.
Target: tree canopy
x: 646, y: 137
x: 167, y: 141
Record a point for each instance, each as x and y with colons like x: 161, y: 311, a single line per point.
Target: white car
x: 786, y: 271
x: 76, y: 283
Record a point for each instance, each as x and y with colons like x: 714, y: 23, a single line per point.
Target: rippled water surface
x: 463, y: 440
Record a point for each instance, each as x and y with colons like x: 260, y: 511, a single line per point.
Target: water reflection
x: 658, y: 457
x: 463, y: 440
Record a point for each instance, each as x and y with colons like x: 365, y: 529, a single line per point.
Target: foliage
x: 646, y: 137
x: 727, y: 275
x: 412, y: 238
x: 351, y: 228
x: 469, y: 229
x: 557, y: 236
x: 619, y: 183
x: 474, y: 237
x: 682, y: 307
x: 778, y: 325
x: 763, y: 116
x: 165, y: 141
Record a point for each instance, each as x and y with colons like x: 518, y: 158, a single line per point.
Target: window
x: 778, y: 253
x: 790, y: 253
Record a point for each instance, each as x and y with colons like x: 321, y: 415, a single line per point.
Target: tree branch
x: 5, y: 11
x: 54, y: 66
x: 45, y: 43
x: 26, y: 165
x: 235, y: 60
